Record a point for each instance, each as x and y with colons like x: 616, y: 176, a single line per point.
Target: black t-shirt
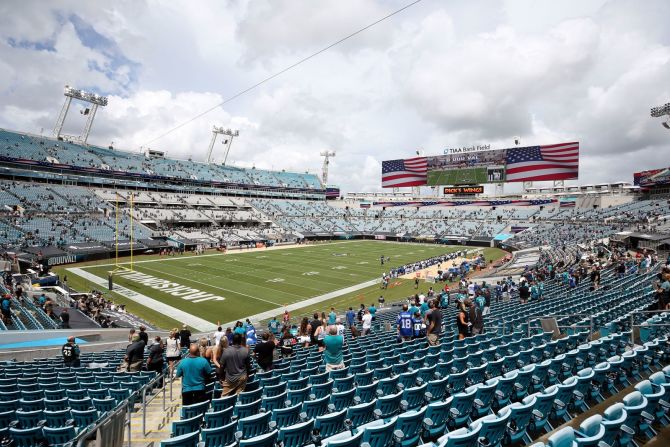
x: 65, y: 317
x: 185, y: 337
x: 264, y: 351
x: 315, y: 324
x: 70, y: 352
x: 135, y: 351
x: 524, y: 291
x: 144, y: 337
x: 155, y: 354
x: 435, y: 317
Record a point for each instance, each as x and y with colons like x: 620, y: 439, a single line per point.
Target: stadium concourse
x: 563, y: 342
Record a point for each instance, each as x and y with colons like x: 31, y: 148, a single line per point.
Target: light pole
x: 660, y: 111
x: 324, y: 169
x: 81, y: 95
x: 216, y: 131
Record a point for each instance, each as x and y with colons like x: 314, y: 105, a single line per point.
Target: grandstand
x: 566, y: 292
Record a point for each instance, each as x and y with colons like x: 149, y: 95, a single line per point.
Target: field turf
x: 256, y: 281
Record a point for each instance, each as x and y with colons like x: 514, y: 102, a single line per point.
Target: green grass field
x: 464, y: 176
x: 257, y: 281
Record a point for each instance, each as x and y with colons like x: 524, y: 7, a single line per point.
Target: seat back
x: 185, y: 426
x: 380, y: 435
x: 362, y: 413
x: 286, y: 416
x: 217, y: 419
x: 266, y: 440
x: 492, y: 427
x: 187, y: 440
x: 330, y: 424
x: 296, y: 435
x: 56, y: 436
x: 255, y: 425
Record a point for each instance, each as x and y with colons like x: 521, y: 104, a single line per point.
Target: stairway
x: 158, y: 420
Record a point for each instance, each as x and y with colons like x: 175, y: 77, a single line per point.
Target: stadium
x: 472, y: 297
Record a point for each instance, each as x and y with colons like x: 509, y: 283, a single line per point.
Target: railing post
x: 164, y: 378
x: 591, y: 328
x: 144, y: 411
x: 632, y: 329
x: 129, y: 413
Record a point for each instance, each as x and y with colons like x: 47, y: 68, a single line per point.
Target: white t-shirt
x: 340, y: 329
x: 471, y: 289
x: 218, y: 335
x: 367, y: 321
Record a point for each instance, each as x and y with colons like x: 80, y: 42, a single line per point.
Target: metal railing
x: 128, y: 406
x: 633, y: 325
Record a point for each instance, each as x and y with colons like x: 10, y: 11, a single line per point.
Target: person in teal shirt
x: 332, y: 317
x: 534, y: 292
x: 373, y: 310
x: 273, y: 326
x: 239, y: 329
x: 332, y: 354
x: 195, y: 371
x: 413, y: 310
x: 424, y: 308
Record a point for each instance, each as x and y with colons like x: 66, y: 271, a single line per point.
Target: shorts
x: 330, y: 367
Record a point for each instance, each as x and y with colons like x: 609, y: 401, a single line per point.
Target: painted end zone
x: 174, y: 313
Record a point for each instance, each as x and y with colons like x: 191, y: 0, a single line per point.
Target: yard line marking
x: 172, y: 312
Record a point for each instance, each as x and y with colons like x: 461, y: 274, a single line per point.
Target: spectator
x: 6, y: 308
x: 216, y: 337
x: 206, y: 351
x: 173, y: 350
x: 134, y: 355
x: 236, y: 366
x: 71, y: 353
x: 433, y: 324
x: 351, y: 315
x: 476, y: 318
x: 216, y: 356
x: 332, y: 316
x: 524, y: 292
x: 143, y: 335
x: 65, y: 319
x: 287, y: 342
x: 286, y: 318
x: 314, y: 325
x: 462, y: 319
x: 367, y: 322
x: 333, y: 350
x: 131, y: 334
x: 229, y: 335
x: 404, y: 323
x: 195, y: 372
x: 184, y: 336
x: 273, y: 325
x: 155, y: 359
x: 264, y: 351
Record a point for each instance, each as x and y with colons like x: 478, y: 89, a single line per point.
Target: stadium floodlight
x: 216, y: 131
x: 657, y: 112
x: 81, y: 95
x: 326, y: 161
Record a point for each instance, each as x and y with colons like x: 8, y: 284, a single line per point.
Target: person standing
x: 367, y: 322
x: 273, y: 326
x: 524, y: 292
x: 462, y: 320
x: 433, y: 324
x: 332, y: 354
x: 173, y: 350
x: 351, y: 316
x: 135, y: 354
x: 155, y: 359
x: 264, y: 351
x: 373, y: 311
x: 332, y: 317
x: 184, y: 336
x: 236, y: 365
x: 144, y: 336
x: 216, y: 337
x: 71, y: 353
x: 195, y: 372
x: 65, y: 319
x: 286, y: 319
x: 251, y: 333
x: 404, y: 323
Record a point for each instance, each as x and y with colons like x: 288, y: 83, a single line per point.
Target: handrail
x: 125, y: 404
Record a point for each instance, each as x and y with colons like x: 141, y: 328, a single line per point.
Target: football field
x: 460, y: 176
x: 219, y: 287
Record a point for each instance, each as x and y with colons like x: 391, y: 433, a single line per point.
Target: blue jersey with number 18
x: 405, y: 324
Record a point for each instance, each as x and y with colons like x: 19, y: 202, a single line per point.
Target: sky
x: 440, y: 74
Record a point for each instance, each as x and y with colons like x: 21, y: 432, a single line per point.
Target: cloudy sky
x: 440, y: 74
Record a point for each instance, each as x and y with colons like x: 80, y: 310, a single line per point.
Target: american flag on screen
x: 538, y: 163
x: 408, y: 172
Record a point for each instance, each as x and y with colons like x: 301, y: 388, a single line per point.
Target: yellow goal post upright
x: 118, y: 219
